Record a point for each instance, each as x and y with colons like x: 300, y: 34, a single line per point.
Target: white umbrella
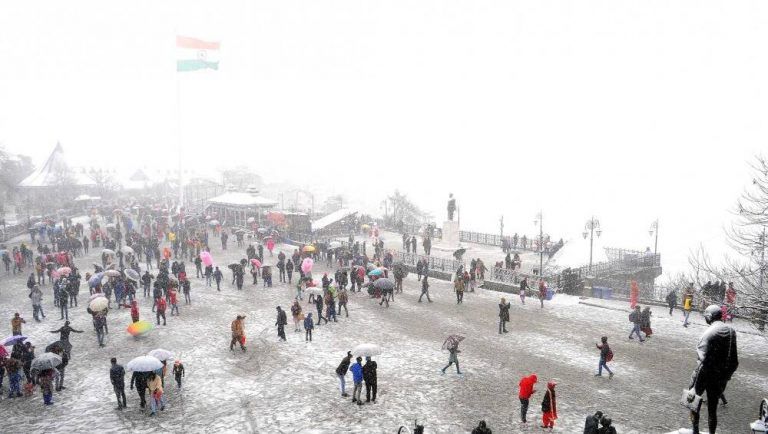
x: 108, y: 251
x: 367, y: 350
x: 98, y: 304
x: 334, y: 244
x: 96, y: 295
x: 161, y: 354
x: 46, y: 361
x: 144, y: 364
x: 315, y: 290
x: 132, y: 274
x: 213, y: 222
x: 112, y: 273
x: 127, y: 250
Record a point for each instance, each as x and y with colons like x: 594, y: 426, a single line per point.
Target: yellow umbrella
x: 308, y: 249
x: 366, y: 226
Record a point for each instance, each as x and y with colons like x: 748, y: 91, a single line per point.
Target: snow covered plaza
x: 292, y: 387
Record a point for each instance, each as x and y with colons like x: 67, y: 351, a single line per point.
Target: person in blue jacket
x: 357, y: 377
x: 308, y: 326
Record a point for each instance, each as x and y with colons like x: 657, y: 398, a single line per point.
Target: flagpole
x: 178, y: 135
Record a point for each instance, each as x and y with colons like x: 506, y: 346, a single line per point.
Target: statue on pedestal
x: 451, y: 206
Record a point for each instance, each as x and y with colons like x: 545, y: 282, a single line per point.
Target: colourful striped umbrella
x: 140, y: 328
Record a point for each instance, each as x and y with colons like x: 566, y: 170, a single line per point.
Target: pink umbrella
x: 256, y: 263
x: 64, y: 271
x: 206, y: 258
x: 306, y: 265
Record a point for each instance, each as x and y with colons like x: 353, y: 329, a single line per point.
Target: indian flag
x: 195, y: 54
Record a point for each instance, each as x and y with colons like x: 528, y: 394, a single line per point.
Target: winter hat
x: 551, y: 384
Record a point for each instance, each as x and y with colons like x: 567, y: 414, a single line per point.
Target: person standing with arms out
x: 425, y: 290
x: 526, y: 391
x: 238, y: 333
x: 503, y: 315
x: 606, y: 355
x: 371, y: 378
x: 671, y: 300
x: 549, y: 407
x: 281, y: 322
x: 341, y: 372
x: 117, y: 377
x: 357, y: 378
x: 687, y: 304
x: 718, y: 359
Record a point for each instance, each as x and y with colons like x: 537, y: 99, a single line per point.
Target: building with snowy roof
x: 233, y: 208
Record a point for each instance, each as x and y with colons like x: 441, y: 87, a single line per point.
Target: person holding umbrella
x: 139, y: 379
x: 281, y: 322
x: 117, y: 378
x: 45, y: 379
x: 452, y: 345
x: 155, y: 386
x: 370, y: 377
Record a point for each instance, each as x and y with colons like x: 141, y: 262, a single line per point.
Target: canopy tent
x: 55, y: 171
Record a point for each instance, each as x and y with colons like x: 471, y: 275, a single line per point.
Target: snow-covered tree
x: 746, y: 267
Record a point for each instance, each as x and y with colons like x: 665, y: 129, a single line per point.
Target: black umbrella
x: 59, y: 345
x: 459, y: 253
x: 384, y: 284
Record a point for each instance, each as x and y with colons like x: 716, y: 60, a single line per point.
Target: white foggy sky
x: 622, y: 109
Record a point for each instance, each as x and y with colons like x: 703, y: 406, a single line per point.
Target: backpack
x: 632, y: 317
x: 609, y: 356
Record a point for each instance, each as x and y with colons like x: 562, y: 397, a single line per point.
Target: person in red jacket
x: 134, y: 311
x: 549, y: 407
x: 174, y: 305
x: 161, y: 305
x: 526, y: 390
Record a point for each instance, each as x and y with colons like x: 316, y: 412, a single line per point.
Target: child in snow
x: 178, y: 372
x: 308, y: 326
x: 549, y: 407
x: 606, y: 355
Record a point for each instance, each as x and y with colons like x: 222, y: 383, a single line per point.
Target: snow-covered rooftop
x: 234, y: 198
x: 332, y: 218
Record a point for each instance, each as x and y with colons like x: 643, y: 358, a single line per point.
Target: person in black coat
x: 592, y: 423
x: 370, y: 378
x: 672, y: 301
x: 139, y: 379
x: 319, y: 305
x: 281, y: 322
x: 717, y: 361
x: 503, y: 315
x: 341, y: 372
x: 117, y: 378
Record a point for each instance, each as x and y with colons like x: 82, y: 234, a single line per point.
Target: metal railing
x: 434, y: 263
x: 529, y: 244
x: 510, y: 276
x: 619, y: 266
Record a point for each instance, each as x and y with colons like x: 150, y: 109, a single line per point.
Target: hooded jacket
x: 718, y: 356
x: 549, y: 403
x: 526, y: 386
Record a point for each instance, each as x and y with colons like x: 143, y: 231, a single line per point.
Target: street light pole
x: 540, y: 220
x: 591, y: 228
x: 655, y: 229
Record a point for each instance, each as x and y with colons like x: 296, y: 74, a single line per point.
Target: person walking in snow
x: 16, y: 323
x: 504, y: 307
x: 526, y: 390
x: 523, y: 289
x: 343, y: 299
x: 458, y: 287
x: 238, y: 333
x: 425, y: 290
x: 671, y: 300
x: 645, y: 322
x: 117, y: 378
x: 297, y: 316
x: 36, y: 295
x: 636, y: 319
x: 606, y: 355
x: 217, y: 276
x: 341, y: 372
x: 357, y: 378
x: 160, y: 312
x: 178, y: 372
x: 281, y: 322
x: 453, y: 357
x: 309, y: 325
x: 542, y: 292
x: 319, y: 306
x: 549, y: 407
x: 139, y: 380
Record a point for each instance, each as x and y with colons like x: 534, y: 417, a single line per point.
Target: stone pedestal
x: 450, y: 234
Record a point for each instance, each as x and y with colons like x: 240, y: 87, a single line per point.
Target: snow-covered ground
x: 291, y: 387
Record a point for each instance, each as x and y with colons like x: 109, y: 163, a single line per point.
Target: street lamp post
x: 540, y: 221
x: 655, y: 230
x: 591, y: 228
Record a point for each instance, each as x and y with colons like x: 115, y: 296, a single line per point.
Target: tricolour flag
x: 195, y: 54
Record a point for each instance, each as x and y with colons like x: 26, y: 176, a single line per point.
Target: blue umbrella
x: 12, y: 340
x: 95, y: 279
x: 376, y: 272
